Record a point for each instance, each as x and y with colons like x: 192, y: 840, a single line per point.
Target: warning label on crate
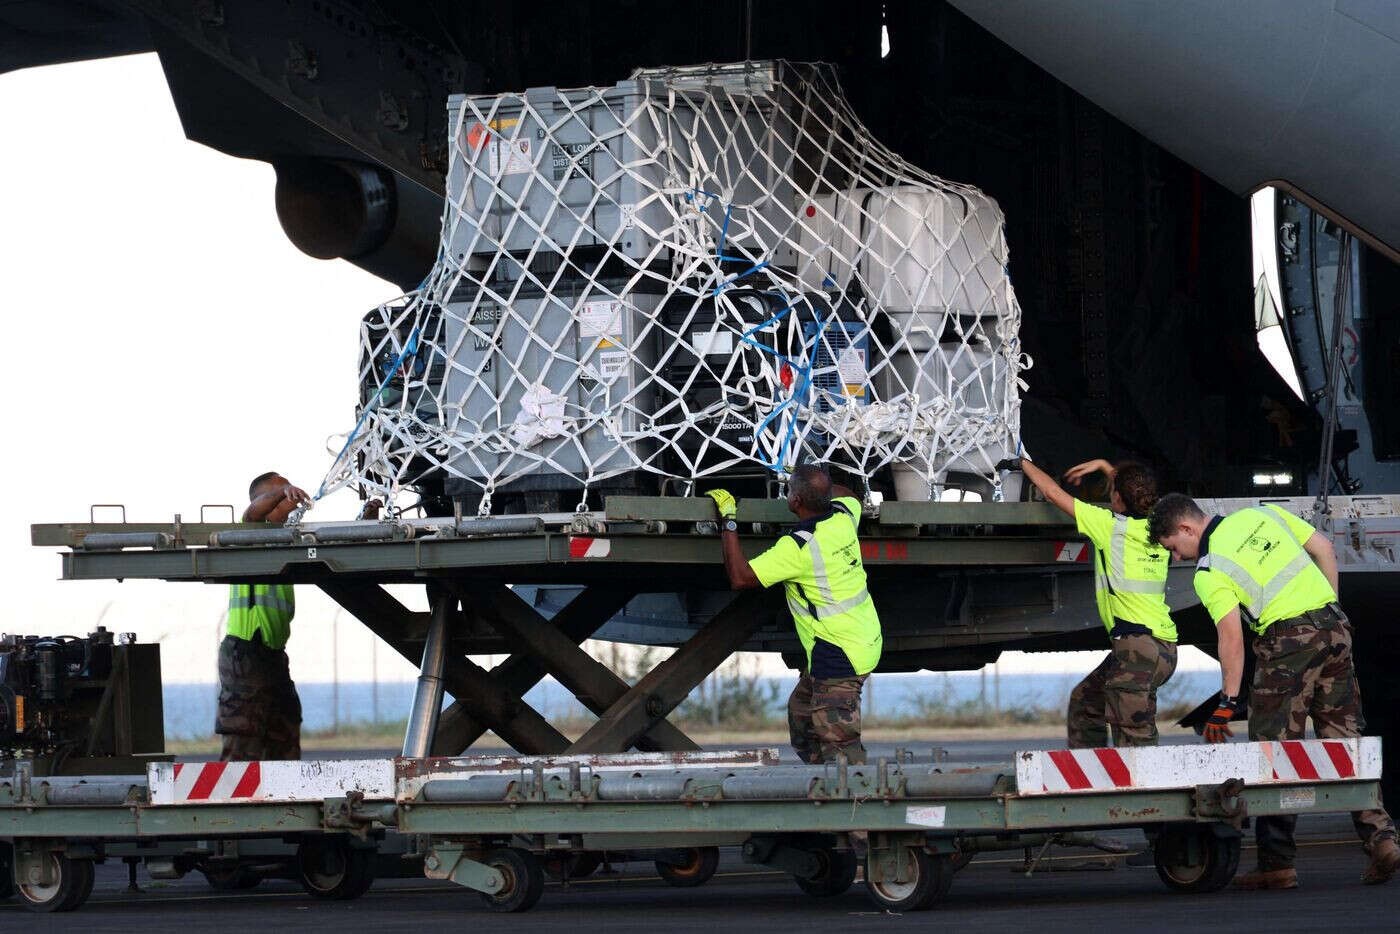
x: 570, y: 160
x: 507, y: 156
x: 708, y: 342
x: 851, y: 369
x: 478, y: 134
x: 611, y: 363
x: 601, y: 319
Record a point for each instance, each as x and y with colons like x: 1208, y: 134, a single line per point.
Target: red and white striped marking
x: 222, y: 781
x: 1076, y: 552
x: 1311, y: 760
x: 1086, y: 770
x: 584, y: 546
x: 1056, y: 771
x: 236, y: 782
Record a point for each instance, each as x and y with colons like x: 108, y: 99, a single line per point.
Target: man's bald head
x: 809, y: 490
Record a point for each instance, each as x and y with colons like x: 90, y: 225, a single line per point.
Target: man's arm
x: 1047, y: 485
x: 1078, y: 472
x: 1320, y: 549
x: 741, y: 575
x: 1230, y: 644
x: 276, y: 505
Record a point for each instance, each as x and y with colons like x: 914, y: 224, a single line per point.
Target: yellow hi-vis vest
x: 819, y: 564
x: 1130, y: 573
x: 266, y: 609
x: 1254, y: 559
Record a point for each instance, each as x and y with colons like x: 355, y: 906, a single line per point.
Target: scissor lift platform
x: 636, y: 545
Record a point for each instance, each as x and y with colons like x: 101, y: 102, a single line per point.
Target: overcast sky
x: 168, y: 344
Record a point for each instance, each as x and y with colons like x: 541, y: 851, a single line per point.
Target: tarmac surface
x: 1075, y: 892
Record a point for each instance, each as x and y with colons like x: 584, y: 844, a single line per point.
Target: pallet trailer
x: 559, y: 800
x: 488, y: 823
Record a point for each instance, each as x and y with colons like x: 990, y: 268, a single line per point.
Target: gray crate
x: 497, y: 357
x: 549, y: 176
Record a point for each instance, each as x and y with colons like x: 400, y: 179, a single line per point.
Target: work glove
x: 1008, y: 463
x: 1218, y: 726
x: 725, y: 503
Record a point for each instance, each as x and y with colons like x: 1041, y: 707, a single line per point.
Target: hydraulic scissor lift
x: 489, y: 824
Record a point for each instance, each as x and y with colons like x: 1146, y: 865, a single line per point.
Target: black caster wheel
x: 70, y: 886
x: 704, y: 860
x: 236, y: 879
x: 838, y: 873
x: 572, y: 866
x: 524, y: 879
x: 330, y: 868
x: 929, y: 878
x: 1195, y: 861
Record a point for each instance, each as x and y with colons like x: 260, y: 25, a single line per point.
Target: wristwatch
x: 729, y: 525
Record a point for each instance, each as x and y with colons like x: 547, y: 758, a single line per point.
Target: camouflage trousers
x: 824, y: 719
x: 259, y: 714
x: 1303, y: 668
x: 1121, y: 694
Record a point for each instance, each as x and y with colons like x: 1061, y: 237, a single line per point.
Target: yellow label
x: 856, y: 391
x: 19, y: 713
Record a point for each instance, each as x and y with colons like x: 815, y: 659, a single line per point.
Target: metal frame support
x: 891, y: 856
x: 32, y: 865
x: 492, y: 700
x: 597, y: 687
x: 513, y: 720
x: 459, y: 727
x: 427, y: 699
x: 669, y: 683
x: 446, y: 861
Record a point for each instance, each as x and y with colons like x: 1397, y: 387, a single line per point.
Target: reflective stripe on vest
x: 241, y: 602
x: 1118, y: 565
x: 824, y: 584
x: 1259, y: 595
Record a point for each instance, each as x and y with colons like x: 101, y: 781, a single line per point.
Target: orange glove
x: 1218, y: 726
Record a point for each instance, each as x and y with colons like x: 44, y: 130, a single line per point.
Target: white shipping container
x: 910, y: 248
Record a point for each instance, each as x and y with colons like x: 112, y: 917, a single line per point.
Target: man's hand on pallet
x: 725, y: 503
x: 1218, y: 726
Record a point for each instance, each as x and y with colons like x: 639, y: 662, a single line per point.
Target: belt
x: 255, y: 644
x: 1123, y: 627
x: 1324, y: 617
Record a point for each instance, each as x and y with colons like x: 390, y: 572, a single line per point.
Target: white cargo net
x: 698, y: 272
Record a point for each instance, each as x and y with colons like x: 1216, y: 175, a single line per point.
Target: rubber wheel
x: 572, y: 866
x: 1219, y: 858
x: 930, y: 879
x: 838, y: 874
x: 236, y: 879
x: 72, y: 885
x: 331, y: 868
x: 704, y: 861
x: 524, y: 879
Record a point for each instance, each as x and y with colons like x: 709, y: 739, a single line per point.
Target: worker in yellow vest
x: 819, y: 563
x: 259, y: 714
x: 1130, y: 587
x: 1265, y: 566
